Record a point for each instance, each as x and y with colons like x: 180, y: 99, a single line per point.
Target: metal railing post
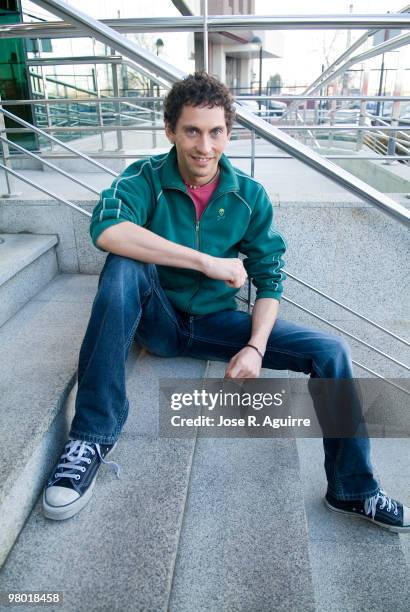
x: 395, y: 115
x: 152, y: 114
x: 332, y: 112
x: 99, y: 107
x: 304, y: 120
x: 117, y: 105
x: 205, y: 12
x: 362, y: 120
x: 363, y: 107
x: 5, y: 153
x: 45, y: 91
x: 253, y: 147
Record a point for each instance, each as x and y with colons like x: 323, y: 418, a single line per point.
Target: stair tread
x: 134, y: 519
x: 19, y: 250
x: 244, y: 529
x: 38, y: 363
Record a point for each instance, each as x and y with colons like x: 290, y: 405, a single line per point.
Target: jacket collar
x: 171, y: 179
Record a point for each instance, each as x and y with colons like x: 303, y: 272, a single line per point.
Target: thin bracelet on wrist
x: 256, y: 349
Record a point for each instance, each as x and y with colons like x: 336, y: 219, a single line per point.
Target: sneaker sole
x: 391, y: 528
x: 60, y: 513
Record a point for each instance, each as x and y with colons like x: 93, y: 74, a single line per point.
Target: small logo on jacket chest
x: 221, y: 214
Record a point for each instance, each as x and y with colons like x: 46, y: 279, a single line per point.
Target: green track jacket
x: 238, y: 219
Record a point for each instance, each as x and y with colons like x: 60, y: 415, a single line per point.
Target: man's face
x: 200, y: 138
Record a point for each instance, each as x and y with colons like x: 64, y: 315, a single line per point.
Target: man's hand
x: 230, y: 270
x: 245, y: 364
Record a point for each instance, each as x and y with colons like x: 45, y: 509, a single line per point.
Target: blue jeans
x: 130, y: 303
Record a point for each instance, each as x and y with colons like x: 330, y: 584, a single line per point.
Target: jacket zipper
x: 197, y: 241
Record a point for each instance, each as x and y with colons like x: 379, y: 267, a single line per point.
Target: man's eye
x: 217, y: 131
x: 192, y: 131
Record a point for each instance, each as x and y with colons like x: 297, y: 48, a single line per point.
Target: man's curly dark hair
x: 198, y: 89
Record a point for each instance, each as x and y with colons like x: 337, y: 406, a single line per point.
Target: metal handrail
x: 50, y: 165
x: 239, y: 98
x: 136, y: 155
x: 349, y: 127
x: 355, y: 312
x: 357, y: 363
x: 340, y: 329
x: 29, y: 127
x: 215, y: 23
x: 317, y: 83
x: 62, y: 61
x: 384, y: 47
x: 55, y: 196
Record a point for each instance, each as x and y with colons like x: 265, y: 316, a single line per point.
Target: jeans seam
x: 165, y: 307
x: 133, y: 328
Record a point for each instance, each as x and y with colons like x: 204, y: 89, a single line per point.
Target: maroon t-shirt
x: 201, y: 195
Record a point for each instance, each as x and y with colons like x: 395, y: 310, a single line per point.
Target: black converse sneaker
x: 380, y: 509
x: 71, y: 483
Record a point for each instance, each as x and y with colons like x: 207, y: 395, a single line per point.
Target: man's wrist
x: 260, y: 344
x: 253, y: 346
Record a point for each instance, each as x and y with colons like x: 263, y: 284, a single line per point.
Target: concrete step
x: 38, y: 364
x: 244, y: 539
x: 355, y: 565
x: 119, y: 552
x: 27, y: 263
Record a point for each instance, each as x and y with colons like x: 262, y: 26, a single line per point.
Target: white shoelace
x: 74, y: 456
x: 370, y: 505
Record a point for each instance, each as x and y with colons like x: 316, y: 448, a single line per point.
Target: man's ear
x: 169, y: 133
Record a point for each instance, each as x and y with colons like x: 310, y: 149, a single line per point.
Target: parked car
x: 267, y: 109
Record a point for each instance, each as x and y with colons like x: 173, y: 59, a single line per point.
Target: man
x: 173, y: 226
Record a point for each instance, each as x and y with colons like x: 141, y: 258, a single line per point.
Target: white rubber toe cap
x: 406, y: 516
x: 60, y: 496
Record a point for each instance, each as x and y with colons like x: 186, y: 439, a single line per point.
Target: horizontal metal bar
x: 360, y: 365
x: 367, y: 157
x: 114, y: 154
x: 55, y: 196
x: 338, y: 128
x: 158, y: 128
x: 311, y: 97
x: 90, y: 128
x: 62, y: 61
x: 355, y: 312
x: 52, y: 166
x: 131, y: 99
x: 215, y: 23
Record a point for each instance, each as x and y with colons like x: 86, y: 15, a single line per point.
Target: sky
x: 303, y: 51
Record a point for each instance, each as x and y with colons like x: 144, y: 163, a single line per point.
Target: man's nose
x: 204, y: 144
